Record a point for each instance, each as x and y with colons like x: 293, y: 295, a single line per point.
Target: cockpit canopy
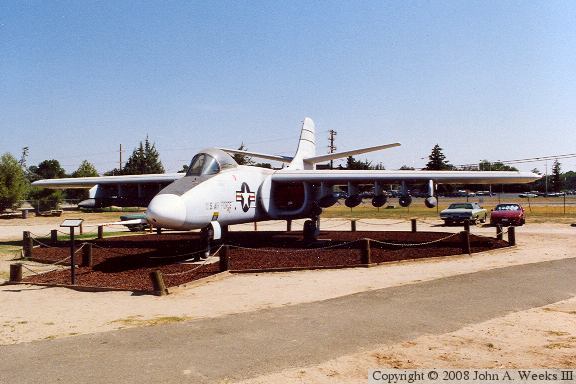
x: 210, y: 162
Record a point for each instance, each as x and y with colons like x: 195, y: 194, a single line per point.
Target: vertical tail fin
x: 306, y: 146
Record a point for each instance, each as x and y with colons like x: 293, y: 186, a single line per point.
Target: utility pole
x: 120, y: 164
x: 332, y: 147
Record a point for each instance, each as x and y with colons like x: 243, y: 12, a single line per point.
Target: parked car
x: 528, y: 194
x: 460, y: 212
x: 508, y: 214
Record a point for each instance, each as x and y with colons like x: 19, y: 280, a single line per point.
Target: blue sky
x: 489, y: 80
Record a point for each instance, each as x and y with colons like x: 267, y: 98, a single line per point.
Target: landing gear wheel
x: 311, y: 231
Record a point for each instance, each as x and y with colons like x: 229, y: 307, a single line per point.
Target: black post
x: 15, y: 273
x: 512, y: 236
x: 353, y: 225
x: 87, y: 255
x: 72, y: 251
x: 413, y: 221
x: 499, y: 232
x: 27, y: 244
x: 158, y: 283
x: 100, y: 231
x: 465, y: 241
x: 288, y: 225
x: 365, y: 256
x: 224, y: 258
x: 54, y: 236
x: 467, y: 225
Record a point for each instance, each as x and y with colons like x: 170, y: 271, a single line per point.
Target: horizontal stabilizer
x: 282, y: 159
x: 339, y: 155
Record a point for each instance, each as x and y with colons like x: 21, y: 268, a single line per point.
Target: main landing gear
x: 312, y: 229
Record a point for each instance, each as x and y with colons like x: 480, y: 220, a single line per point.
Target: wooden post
x: 27, y: 244
x: 413, y: 221
x: 87, y: 255
x: 255, y: 226
x: 499, y: 232
x: 353, y: 225
x: 15, y: 273
x: 365, y: 253
x: 81, y: 230
x: 224, y: 258
x: 54, y: 236
x: 465, y: 241
x: 467, y: 225
x: 512, y: 236
x: 158, y: 230
x: 289, y: 225
x: 100, y: 232
x: 158, y: 283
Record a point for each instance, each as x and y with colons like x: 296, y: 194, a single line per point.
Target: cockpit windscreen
x: 203, y: 164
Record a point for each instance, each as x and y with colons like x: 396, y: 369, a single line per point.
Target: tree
x: 242, y: 159
x: 556, y: 177
x: 86, y: 169
x: 486, y: 165
x: 352, y: 163
x: 406, y: 168
x: 437, y: 160
x: 145, y: 159
x: 46, y: 199
x: 13, y: 182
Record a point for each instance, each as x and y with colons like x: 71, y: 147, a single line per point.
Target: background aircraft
x: 217, y: 192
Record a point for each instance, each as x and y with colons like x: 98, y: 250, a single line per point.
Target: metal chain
x: 193, y: 269
x: 414, y: 244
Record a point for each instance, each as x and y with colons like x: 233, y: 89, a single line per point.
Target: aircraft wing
x: 340, y: 177
x: 89, y: 182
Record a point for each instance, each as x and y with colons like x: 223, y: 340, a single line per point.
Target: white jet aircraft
x: 217, y: 192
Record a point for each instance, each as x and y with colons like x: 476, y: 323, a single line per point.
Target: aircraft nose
x: 166, y: 211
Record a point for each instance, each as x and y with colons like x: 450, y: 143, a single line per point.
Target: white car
x: 460, y: 212
x: 528, y: 194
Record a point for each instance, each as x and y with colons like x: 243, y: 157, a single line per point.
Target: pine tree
x: 556, y: 179
x: 437, y: 160
x: 144, y: 160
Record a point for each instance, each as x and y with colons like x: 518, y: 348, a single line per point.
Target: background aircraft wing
x: 89, y: 182
x: 339, y: 177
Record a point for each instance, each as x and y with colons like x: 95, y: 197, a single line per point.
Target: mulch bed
x: 126, y: 262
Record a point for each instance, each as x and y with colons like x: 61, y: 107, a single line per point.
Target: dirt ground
x: 539, y: 337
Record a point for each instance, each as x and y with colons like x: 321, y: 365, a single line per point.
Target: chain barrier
x: 40, y: 237
x: 427, y: 222
x: 193, y: 269
x: 415, y: 244
x: 293, y: 250
x: 369, y: 223
x: 42, y: 244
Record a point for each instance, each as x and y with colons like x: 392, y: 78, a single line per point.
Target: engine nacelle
x: 379, y: 201
x: 405, y: 201
x: 431, y: 202
x: 327, y: 201
x: 352, y: 201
